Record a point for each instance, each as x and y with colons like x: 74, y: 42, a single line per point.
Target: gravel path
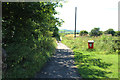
x: 61, y: 65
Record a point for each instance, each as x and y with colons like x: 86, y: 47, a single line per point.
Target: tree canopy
x: 83, y: 32
x: 117, y: 33
x: 110, y: 31
x: 27, y: 30
x: 95, y: 32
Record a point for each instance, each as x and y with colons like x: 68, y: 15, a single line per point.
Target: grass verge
x: 100, y: 62
x: 91, y: 65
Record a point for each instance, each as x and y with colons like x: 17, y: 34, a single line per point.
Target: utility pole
x: 75, y: 21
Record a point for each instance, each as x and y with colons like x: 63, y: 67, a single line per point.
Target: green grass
x: 119, y: 65
x: 91, y: 65
x: 25, y: 62
x: 102, y: 44
x: 100, y: 62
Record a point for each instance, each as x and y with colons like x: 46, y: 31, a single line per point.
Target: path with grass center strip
x: 61, y: 65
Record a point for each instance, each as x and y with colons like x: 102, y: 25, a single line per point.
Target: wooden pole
x: 75, y: 21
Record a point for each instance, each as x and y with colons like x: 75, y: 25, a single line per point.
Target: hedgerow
x: 27, y: 30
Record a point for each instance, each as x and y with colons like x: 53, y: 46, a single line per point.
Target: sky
x: 102, y: 14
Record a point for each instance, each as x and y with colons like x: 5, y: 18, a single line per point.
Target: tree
x: 27, y: 29
x: 95, y: 32
x: 83, y: 32
x: 110, y: 31
x: 117, y: 33
x: 56, y: 33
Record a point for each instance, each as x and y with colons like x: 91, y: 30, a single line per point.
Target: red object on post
x: 90, y: 44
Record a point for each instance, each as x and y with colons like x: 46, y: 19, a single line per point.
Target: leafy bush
x: 110, y: 31
x: 117, y: 33
x: 83, y: 32
x: 27, y: 30
x: 95, y: 32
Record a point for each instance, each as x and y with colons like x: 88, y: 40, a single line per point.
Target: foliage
x: 56, y: 33
x: 110, y: 31
x: 68, y: 31
x: 117, y: 33
x: 92, y: 65
x: 27, y: 30
x: 100, y: 62
x: 95, y: 32
x: 119, y: 66
x: 102, y: 44
x: 62, y: 34
x: 83, y: 32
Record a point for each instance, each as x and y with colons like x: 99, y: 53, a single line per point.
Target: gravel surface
x: 61, y: 65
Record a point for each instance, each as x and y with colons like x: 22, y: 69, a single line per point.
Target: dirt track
x: 61, y: 65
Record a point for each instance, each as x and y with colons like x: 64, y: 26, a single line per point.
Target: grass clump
x: 100, y: 62
x: 24, y: 62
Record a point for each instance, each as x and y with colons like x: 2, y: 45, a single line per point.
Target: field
x: 100, y: 62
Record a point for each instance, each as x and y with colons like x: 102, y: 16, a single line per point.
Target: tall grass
x: 100, y: 62
x: 102, y: 44
x: 25, y: 62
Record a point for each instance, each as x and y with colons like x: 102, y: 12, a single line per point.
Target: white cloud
x: 90, y: 14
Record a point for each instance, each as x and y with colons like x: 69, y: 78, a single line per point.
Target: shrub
x: 110, y: 31
x: 117, y: 33
x: 27, y: 36
x: 95, y: 32
x: 83, y: 32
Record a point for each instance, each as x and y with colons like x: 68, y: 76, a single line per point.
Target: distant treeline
x: 93, y: 32
x: 68, y: 31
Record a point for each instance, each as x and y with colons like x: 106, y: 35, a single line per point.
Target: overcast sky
x: 90, y: 14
